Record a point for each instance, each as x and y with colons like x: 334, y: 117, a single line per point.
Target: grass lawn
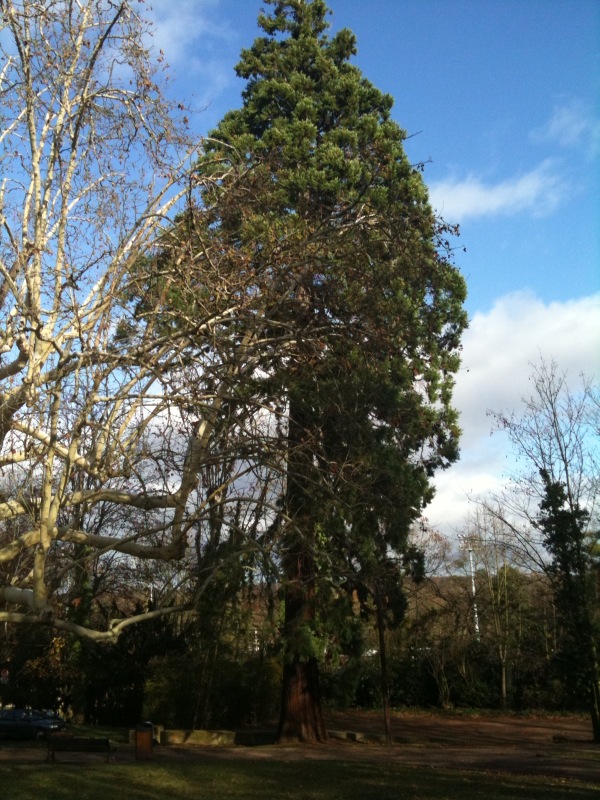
x: 270, y: 780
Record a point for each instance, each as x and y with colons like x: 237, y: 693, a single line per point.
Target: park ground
x: 554, y: 746
x: 557, y: 747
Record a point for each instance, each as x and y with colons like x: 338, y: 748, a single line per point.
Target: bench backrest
x: 77, y: 743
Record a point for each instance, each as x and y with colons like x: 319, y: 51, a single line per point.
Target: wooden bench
x: 78, y: 744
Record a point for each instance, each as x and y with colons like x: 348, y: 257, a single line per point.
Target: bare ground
x: 558, y: 747
x: 535, y: 745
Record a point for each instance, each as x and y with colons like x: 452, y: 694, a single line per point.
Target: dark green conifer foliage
x: 335, y: 223
x: 574, y: 572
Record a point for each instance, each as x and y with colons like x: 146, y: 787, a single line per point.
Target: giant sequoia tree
x: 334, y: 223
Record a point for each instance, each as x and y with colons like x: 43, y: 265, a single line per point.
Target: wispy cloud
x: 572, y: 124
x: 539, y: 192
x: 196, y: 40
x: 181, y: 29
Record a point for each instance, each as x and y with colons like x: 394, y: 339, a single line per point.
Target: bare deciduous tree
x: 556, y: 434
x: 551, y: 509
x: 107, y: 409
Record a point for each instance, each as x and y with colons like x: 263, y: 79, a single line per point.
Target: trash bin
x: 144, y: 740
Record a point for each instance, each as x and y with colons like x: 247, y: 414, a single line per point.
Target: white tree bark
x: 94, y: 169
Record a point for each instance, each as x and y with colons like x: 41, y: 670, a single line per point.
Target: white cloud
x: 539, y: 191
x: 499, y: 349
x: 572, y: 124
x: 500, y: 345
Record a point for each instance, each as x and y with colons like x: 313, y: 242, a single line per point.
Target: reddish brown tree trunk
x: 385, y: 691
x: 301, y: 713
x: 301, y: 716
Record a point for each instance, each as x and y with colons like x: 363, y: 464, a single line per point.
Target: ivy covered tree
x: 352, y: 265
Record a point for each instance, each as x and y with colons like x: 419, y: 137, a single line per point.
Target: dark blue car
x: 23, y: 723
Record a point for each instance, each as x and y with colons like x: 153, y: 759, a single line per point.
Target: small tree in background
x: 550, y: 509
x: 574, y: 571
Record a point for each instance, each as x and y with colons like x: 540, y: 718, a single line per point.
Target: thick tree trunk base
x: 301, y: 717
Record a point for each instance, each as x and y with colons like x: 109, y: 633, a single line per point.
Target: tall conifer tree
x: 336, y: 222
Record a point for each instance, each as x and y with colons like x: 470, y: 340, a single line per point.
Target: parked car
x: 24, y: 723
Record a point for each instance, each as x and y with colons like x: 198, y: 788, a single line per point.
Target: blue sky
x: 502, y: 99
